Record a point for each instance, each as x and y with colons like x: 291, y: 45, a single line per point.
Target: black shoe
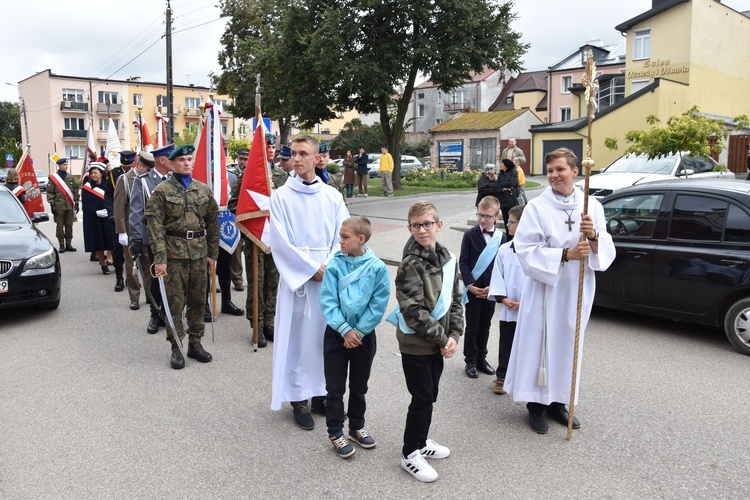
x: 69, y: 248
x: 93, y: 257
x: 105, y: 270
x: 559, y: 414
x: 268, y: 332
x: 207, y: 316
x: 318, y: 405
x: 197, y: 352
x: 134, y: 305
x: 262, y: 342
x: 153, y: 325
x: 484, y: 367
x: 239, y: 287
x: 119, y: 283
x: 62, y: 249
x: 471, y: 370
x: 177, y: 361
x: 302, y: 416
x: 228, y: 308
x: 538, y: 422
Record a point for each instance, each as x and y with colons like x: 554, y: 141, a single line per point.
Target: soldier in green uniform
x: 63, y: 196
x: 321, y: 168
x: 183, y: 226
x: 268, y: 276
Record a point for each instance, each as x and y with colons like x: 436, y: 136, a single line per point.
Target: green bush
x: 442, y: 178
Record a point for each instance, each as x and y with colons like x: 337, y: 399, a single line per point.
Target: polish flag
x: 143, y: 133
x: 27, y: 180
x: 210, y: 166
x: 161, y: 130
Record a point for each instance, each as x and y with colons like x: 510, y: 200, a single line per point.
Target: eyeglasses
x: 415, y: 226
x: 512, y: 222
x: 486, y: 217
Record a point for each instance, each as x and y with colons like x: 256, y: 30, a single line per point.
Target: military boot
x: 207, y: 316
x: 69, y: 248
x: 262, y: 342
x: 227, y: 307
x: 153, y: 324
x: 119, y: 282
x: 176, y: 361
x: 62, y: 248
x: 197, y: 352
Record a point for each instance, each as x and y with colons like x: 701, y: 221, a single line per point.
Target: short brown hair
x: 12, y: 175
x: 516, y: 211
x: 422, y: 207
x: 570, y: 157
x: 359, y: 224
x: 489, y: 202
x: 308, y: 139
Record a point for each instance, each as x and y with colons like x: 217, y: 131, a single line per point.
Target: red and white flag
x: 161, y: 130
x: 253, y: 215
x: 144, y: 135
x: 90, y: 153
x: 27, y: 180
x: 210, y: 165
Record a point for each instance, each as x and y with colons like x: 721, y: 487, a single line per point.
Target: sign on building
x: 450, y: 155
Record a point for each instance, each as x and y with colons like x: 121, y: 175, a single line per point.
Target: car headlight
x: 40, y: 264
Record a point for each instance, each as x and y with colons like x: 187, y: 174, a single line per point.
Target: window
x: 340, y: 114
x: 161, y: 100
x: 697, y: 218
x: 420, y: 111
x: 420, y: 95
x: 440, y: 94
x: 72, y: 95
x: 565, y: 83
x: 137, y: 99
x: 108, y: 97
x: 738, y: 225
x: 75, y: 124
x: 637, y: 85
x: 75, y: 151
x: 633, y: 215
x: 104, y: 123
x: 509, y: 98
x: 697, y: 165
x: 642, y: 44
x: 224, y: 129
x: 192, y: 102
x: 565, y: 114
x: 459, y: 96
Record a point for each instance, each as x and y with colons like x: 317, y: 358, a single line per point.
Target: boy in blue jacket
x: 354, y: 295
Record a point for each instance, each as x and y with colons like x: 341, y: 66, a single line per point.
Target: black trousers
x: 118, y: 255
x: 542, y: 408
x: 224, y: 275
x: 507, y: 332
x: 155, y: 292
x: 479, y: 314
x: 422, y: 374
x: 337, y: 361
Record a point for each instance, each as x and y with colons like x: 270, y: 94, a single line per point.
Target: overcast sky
x: 99, y: 38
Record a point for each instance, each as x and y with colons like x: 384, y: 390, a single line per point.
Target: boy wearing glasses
x: 478, y: 250
x: 429, y: 322
x: 506, y: 286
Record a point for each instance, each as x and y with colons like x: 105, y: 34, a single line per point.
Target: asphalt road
x: 91, y: 409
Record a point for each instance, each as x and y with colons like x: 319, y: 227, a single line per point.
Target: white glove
x: 102, y: 213
x: 123, y: 239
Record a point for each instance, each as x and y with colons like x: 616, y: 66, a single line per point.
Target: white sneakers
x: 416, y: 465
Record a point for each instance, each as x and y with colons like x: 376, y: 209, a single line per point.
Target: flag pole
x: 592, y: 87
x: 255, y: 256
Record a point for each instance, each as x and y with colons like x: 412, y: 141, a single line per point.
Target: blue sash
x: 483, y: 262
x: 442, y: 305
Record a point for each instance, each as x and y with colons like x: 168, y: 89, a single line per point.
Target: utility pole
x: 170, y: 94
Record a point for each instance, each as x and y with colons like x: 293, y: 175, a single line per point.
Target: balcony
x: 454, y: 107
x: 74, y: 107
x: 74, y: 135
x: 101, y: 135
x: 101, y: 107
x: 192, y: 113
x: 162, y: 110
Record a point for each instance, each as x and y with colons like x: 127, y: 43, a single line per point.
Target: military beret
x: 127, y: 157
x: 270, y: 139
x: 146, y: 158
x: 97, y: 164
x: 163, y: 151
x: 243, y: 153
x: 285, y: 153
x: 61, y: 161
x: 185, y: 150
x: 324, y: 148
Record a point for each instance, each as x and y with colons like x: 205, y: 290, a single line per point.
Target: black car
x: 683, y: 252
x: 29, y: 264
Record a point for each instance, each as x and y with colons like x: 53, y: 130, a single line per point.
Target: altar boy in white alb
x: 550, y: 252
x: 306, y: 216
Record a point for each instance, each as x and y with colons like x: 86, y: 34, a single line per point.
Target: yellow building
x: 59, y: 108
x: 679, y: 53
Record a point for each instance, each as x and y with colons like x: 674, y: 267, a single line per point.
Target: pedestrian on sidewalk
x: 386, y: 171
x: 362, y: 172
x: 349, y: 174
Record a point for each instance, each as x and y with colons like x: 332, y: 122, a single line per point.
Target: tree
x: 10, y: 122
x: 188, y: 137
x: 234, y: 143
x: 355, y: 135
x: 364, y: 54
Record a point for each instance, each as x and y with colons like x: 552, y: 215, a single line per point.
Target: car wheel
x: 737, y: 325
x: 49, y: 306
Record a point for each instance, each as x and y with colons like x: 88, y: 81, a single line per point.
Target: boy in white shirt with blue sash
x: 429, y: 323
x: 353, y: 297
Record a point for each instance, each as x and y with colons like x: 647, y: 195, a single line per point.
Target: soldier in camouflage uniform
x: 60, y: 207
x: 183, y: 226
x: 321, y: 168
x: 268, y: 276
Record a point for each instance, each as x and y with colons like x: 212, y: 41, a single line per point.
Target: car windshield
x: 40, y: 173
x: 642, y: 165
x: 10, y: 211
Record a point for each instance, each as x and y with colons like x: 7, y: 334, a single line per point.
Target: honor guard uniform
x: 268, y: 276
x: 140, y: 243
x: 237, y: 257
x: 127, y: 158
x: 281, y: 173
x: 63, y: 196
x: 183, y: 224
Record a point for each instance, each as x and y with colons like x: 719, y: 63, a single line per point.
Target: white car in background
x: 408, y: 162
x: 630, y: 170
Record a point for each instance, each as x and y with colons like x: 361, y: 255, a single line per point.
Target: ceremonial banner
x: 90, y: 153
x: 161, y: 130
x: 27, y: 179
x: 229, y: 235
x: 113, y: 145
x: 210, y: 165
x: 143, y: 134
x: 254, y: 202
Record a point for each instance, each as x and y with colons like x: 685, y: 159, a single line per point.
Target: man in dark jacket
x: 362, y: 175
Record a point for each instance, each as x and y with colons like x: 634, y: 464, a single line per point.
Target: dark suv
x: 683, y: 252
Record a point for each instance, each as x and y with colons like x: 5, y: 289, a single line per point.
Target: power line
x: 136, y: 57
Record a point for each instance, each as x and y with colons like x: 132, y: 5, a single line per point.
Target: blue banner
x: 229, y: 235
